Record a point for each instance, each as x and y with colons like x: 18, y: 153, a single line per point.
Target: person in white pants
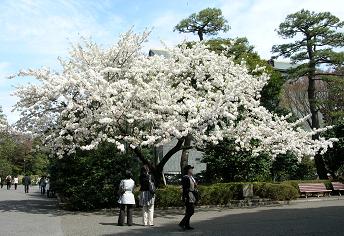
x: 147, y: 196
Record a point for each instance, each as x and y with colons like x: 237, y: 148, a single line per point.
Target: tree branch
x: 170, y: 153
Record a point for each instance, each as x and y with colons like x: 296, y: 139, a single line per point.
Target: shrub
x: 168, y: 196
x: 280, y: 192
x: 223, y: 193
x: 89, y: 180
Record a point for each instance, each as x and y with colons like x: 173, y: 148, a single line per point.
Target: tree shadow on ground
x: 292, y: 221
x: 35, y: 205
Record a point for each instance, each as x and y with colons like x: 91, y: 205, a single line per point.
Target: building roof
x: 158, y: 52
x: 284, y: 66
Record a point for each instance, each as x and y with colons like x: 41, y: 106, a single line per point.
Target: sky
x: 34, y: 33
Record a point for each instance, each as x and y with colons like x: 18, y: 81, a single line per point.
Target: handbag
x: 151, y: 186
x: 121, y: 189
x: 197, y: 195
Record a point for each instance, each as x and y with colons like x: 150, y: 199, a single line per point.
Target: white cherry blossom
x: 120, y: 95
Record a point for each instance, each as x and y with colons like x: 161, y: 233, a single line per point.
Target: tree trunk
x: 315, y: 122
x: 200, y: 35
x: 157, y: 170
x: 184, y: 158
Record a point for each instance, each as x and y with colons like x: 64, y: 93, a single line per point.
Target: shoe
x: 151, y: 225
x: 119, y: 224
x: 181, y: 226
x: 189, y: 228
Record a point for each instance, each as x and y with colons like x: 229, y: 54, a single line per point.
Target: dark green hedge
x: 223, y: 193
x: 280, y: 192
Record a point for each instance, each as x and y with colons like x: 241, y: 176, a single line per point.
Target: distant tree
x: 208, y: 21
x: 315, y: 39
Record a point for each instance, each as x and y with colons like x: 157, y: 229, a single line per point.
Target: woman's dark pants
x: 121, y: 216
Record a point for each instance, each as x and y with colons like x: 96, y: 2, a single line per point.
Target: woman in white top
x: 15, y: 181
x: 126, y: 199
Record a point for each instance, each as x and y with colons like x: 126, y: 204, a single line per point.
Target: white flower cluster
x: 120, y: 95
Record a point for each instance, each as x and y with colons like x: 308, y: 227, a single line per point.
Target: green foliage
x: 334, y: 157
x: 208, y: 21
x: 221, y: 193
x: 224, y: 193
x: 5, y: 168
x: 89, y: 180
x: 169, y: 196
x: 332, y: 106
x: 286, y: 167
x: 318, y: 37
x: 226, y: 164
x: 279, y: 192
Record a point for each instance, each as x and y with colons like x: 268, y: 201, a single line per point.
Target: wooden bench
x: 338, y: 186
x: 313, y: 188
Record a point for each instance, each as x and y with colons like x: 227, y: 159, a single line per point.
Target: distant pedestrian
x: 8, y: 181
x: 15, y: 181
x: 42, y: 184
x: 147, y: 196
x: 190, y: 196
x: 126, y: 199
x: 1, y: 182
x: 26, y: 182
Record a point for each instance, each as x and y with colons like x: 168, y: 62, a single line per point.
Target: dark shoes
x: 185, y: 227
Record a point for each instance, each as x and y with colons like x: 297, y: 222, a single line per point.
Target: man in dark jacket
x: 26, y: 182
x: 189, y: 197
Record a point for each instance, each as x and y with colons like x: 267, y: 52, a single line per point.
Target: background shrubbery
x: 90, y: 180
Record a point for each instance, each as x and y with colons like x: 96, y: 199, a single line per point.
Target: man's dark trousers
x: 26, y: 187
x: 189, y: 211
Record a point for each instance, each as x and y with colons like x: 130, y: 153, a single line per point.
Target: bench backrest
x: 337, y: 185
x: 304, y: 187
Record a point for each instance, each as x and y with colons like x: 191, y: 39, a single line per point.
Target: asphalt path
x: 35, y: 215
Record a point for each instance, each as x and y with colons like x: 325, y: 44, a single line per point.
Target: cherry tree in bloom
x: 121, y: 96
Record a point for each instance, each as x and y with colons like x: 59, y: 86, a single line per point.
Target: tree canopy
x: 121, y: 96
x: 208, y: 21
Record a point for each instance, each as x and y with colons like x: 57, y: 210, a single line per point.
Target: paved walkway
x: 32, y: 215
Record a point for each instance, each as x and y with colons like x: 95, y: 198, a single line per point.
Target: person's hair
x: 128, y: 174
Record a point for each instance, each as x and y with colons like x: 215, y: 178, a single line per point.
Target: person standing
x: 15, y: 181
x: 147, y: 196
x: 126, y: 199
x: 189, y: 196
x: 1, y: 183
x: 8, y: 181
x: 43, y: 184
x: 26, y: 182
